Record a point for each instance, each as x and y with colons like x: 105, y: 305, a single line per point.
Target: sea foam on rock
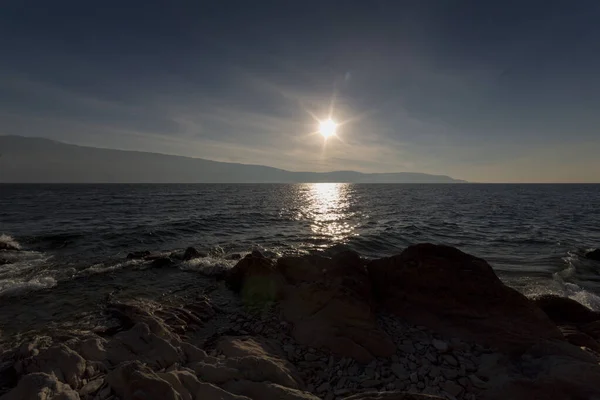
x: 313, y: 327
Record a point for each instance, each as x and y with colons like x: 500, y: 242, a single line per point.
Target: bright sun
x: 327, y: 128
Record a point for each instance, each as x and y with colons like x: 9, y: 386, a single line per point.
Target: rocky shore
x: 432, y: 322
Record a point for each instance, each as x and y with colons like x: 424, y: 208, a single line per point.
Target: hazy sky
x: 479, y: 90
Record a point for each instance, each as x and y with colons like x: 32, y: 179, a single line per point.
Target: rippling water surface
x: 75, y: 238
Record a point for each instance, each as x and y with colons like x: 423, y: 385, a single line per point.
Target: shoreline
x: 430, y: 321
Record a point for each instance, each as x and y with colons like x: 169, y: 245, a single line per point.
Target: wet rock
x: 138, y: 255
x: 458, y: 294
x: 162, y: 262
x: 565, y: 311
x: 8, y: 375
x: 191, y: 253
x: 593, y: 255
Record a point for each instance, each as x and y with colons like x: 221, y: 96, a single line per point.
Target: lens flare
x: 327, y: 128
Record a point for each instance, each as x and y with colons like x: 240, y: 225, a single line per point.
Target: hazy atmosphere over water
x: 482, y: 91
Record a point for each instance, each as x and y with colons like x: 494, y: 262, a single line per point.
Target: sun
x: 327, y: 128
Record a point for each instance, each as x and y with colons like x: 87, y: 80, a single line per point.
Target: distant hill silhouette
x: 37, y: 160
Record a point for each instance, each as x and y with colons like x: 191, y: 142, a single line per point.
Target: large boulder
x: 565, y: 311
x: 548, y: 370
x: 458, y: 294
x: 329, y: 302
x: 578, y: 324
x: 60, y: 361
x: 256, y: 279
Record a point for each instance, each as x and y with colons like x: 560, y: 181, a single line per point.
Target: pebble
x: 449, y: 373
x: 414, y: 378
x: 311, y: 357
x: 440, y: 345
x: 450, y: 360
x: 432, y: 359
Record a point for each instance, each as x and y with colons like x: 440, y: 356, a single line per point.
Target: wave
x: 9, y: 242
x: 11, y: 287
x: 102, y: 268
x: 563, y: 283
x: 209, y: 266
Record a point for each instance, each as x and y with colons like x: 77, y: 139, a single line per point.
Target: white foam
x: 17, y: 286
x: 207, y: 265
x: 102, y: 268
x: 10, y: 241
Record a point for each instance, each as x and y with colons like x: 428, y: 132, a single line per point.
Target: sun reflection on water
x: 327, y: 208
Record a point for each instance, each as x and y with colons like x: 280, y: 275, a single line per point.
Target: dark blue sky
x: 480, y: 90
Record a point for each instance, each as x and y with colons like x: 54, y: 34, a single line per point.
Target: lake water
x: 75, y: 238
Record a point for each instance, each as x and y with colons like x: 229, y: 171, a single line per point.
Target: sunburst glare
x: 327, y: 128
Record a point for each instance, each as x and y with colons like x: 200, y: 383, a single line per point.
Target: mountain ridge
x: 41, y: 160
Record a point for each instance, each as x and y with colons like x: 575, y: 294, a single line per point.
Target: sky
x: 487, y: 91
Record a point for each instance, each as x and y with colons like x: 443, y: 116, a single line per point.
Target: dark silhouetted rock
x: 458, y: 295
x: 234, y: 256
x: 138, y: 255
x: 4, y: 261
x: 593, y: 255
x: 7, y: 246
x: 256, y: 279
x: 553, y: 370
x: 191, y: 253
x: 565, y: 311
x: 328, y: 300
x: 576, y: 321
x: 162, y: 262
